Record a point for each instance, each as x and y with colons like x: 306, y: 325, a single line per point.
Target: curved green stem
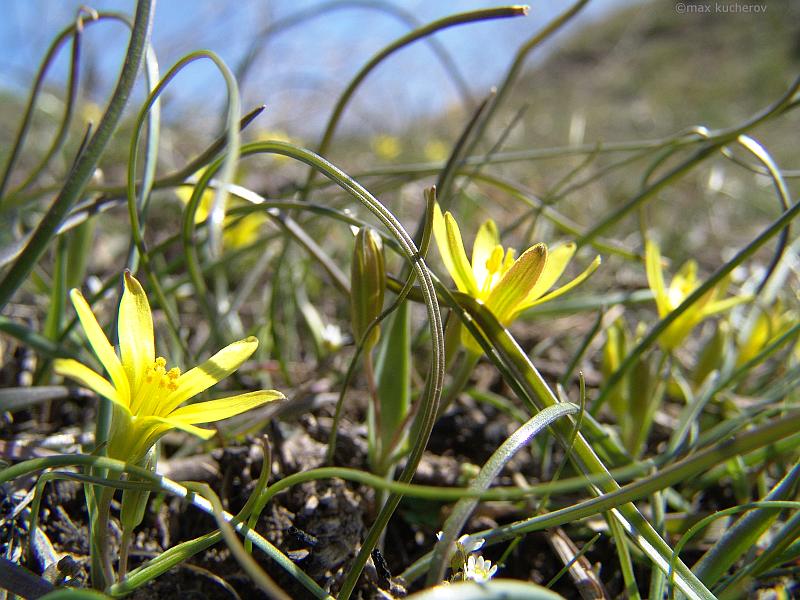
x: 410, y: 38
x: 49, y: 58
x: 464, y: 507
x: 434, y: 381
x: 519, y: 62
x: 84, y: 167
x: 318, y: 10
x: 217, y: 212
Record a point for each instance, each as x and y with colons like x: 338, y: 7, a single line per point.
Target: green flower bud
x: 713, y: 353
x: 134, y: 502
x: 367, y: 284
x: 614, y: 352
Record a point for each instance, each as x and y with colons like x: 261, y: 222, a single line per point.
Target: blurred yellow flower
x: 682, y: 285
x: 505, y: 285
x: 147, y: 396
x: 277, y: 135
x: 387, y: 147
x: 239, y: 230
x: 436, y: 150
x: 92, y: 112
x: 769, y: 325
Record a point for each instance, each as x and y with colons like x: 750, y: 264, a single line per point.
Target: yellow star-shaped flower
x: 683, y: 283
x: 507, y: 286
x: 147, y: 397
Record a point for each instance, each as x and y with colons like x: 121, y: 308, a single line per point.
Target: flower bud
x: 134, y: 502
x: 713, y: 353
x: 367, y: 284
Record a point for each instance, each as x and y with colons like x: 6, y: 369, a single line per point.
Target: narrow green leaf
x: 740, y: 538
x: 464, y: 507
x: 393, y: 377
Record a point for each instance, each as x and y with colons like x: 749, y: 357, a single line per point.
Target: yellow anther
x: 174, y: 373
x: 495, y: 260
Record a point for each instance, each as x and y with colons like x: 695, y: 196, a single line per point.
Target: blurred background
x: 301, y: 53
x: 621, y: 71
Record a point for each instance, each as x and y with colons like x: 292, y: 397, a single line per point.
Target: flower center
x: 494, y: 265
x: 156, y: 385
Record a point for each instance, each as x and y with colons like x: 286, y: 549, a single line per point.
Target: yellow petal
x: 758, y: 336
x: 485, y: 242
x: 133, y: 441
x: 202, y: 377
x: 66, y: 367
x: 515, y: 285
x: 216, y: 410
x: 683, y: 283
x: 567, y: 286
x: 557, y: 260
x: 718, y: 306
x: 135, y: 331
x: 239, y: 232
x: 154, y: 427
x: 681, y: 327
x: 655, y: 277
x: 101, y: 346
x: 451, y: 248
x: 185, y: 192
x: 508, y: 260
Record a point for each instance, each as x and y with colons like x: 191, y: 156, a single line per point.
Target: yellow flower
x: 147, y: 396
x: 505, y: 285
x: 682, y: 285
x: 769, y: 325
x: 239, y: 231
x: 386, y: 147
x: 436, y: 150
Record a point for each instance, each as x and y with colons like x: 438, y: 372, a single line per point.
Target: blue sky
x: 301, y: 71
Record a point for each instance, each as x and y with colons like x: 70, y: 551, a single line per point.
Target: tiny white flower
x: 332, y: 337
x: 467, y: 544
x: 478, y: 569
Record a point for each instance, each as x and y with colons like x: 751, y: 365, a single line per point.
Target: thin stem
x: 410, y: 38
x: 84, y: 168
x: 460, y: 379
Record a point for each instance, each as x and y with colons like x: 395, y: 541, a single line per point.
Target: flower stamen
x: 494, y: 266
x: 157, y: 383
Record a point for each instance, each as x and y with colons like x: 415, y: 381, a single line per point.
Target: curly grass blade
x: 247, y: 562
x: 434, y: 382
x: 709, y: 145
x: 299, y: 17
x: 410, y: 38
x: 229, y: 162
x: 84, y: 167
x: 47, y: 62
x: 500, y: 457
x: 745, y: 532
x: 163, y: 484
